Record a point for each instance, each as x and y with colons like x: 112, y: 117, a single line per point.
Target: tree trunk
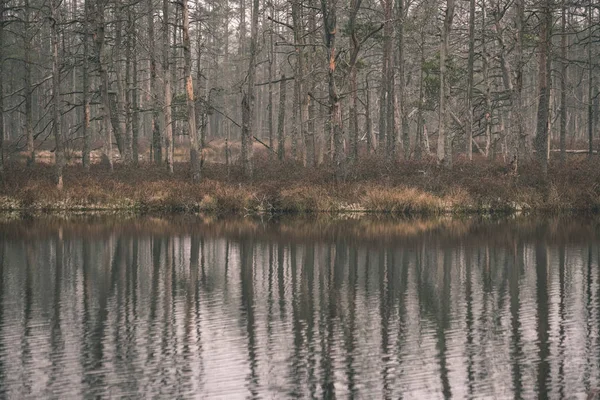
x: 563, y: 84
x: 354, y: 49
x: 2, y: 9
x: 470, y: 67
x: 271, y: 71
x: 28, y: 89
x: 135, y: 101
x: 85, y: 128
x: 329, y: 9
x: 103, y: 72
x: 300, y: 86
x: 167, y: 92
x: 520, y: 143
x: 156, y: 131
x: 541, y: 137
x: 403, y: 122
x: 422, y: 145
x: 195, y: 149
x: 248, y: 96
x: 443, y: 147
x: 281, y: 119
x: 119, y: 114
x: 368, y: 120
x: 312, y: 85
x: 590, y: 81
x: 386, y: 106
x: 59, y: 152
x: 487, y: 118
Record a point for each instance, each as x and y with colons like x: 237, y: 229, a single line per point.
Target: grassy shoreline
x: 374, y: 186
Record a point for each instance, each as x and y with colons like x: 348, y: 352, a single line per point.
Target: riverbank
x: 373, y: 186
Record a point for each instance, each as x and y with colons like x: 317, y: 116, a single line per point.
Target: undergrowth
x: 373, y: 185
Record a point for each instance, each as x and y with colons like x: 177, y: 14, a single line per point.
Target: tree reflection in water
x: 299, y: 308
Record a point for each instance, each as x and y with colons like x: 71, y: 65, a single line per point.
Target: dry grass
x: 402, y: 201
x: 372, y: 185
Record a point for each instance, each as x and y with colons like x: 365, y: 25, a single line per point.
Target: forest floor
x: 373, y: 185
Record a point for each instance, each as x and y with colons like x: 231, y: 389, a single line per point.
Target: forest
x: 352, y: 90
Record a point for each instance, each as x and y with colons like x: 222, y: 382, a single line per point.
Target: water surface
x: 191, y: 307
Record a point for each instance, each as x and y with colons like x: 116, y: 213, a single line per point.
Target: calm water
x: 299, y: 308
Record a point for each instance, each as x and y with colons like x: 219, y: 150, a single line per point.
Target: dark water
x: 371, y: 308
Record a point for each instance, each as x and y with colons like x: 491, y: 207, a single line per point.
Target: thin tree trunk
x: 156, y: 131
x: 201, y: 111
x: 487, y: 118
x: 295, y: 116
x: 85, y: 128
x: 382, y: 107
x: 248, y: 96
x: 470, y: 67
x: 103, y: 72
x: 167, y: 92
x: 422, y: 145
x: 59, y: 152
x: 404, y: 127
x: 117, y: 101
x: 541, y: 137
x: 126, y: 92
x: 2, y: 10
x: 271, y: 68
x: 281, y: 119
x: 312, y: 84
x: 135, y: 101
x: 195, y: 150
x: 300, y: 84
x: 443, y: 138
x: 28, y: 89
x: 386, y: 109
x: 354, y: 49
x: 521, y: 142
x: 329, y: 9
x: 563, y: 84
x: 368, y: 121
x: 590, y: 81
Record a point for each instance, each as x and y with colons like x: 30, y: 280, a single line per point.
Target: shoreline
x: 402, y: 189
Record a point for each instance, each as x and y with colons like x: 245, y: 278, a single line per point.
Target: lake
x: 291, y: 307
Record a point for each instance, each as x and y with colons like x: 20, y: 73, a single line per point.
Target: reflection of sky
x: 412, y: 320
